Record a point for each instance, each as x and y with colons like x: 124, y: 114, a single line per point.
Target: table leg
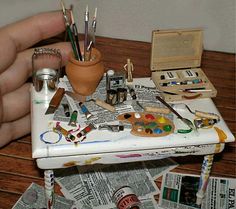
x: 205, y: 174
x: 49, y: 188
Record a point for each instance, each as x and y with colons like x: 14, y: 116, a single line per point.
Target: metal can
x: 121, y: 95
x: 111, y: 97
x: 46, y: 79
x: 115, y: 79
x: 125, y: 198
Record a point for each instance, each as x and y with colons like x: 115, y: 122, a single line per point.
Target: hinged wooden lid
x: 175, y: 49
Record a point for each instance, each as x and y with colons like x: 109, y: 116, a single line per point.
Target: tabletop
x: 102, y: 142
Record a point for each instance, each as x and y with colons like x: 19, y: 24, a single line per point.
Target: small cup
x: 84, y: 76
x: 111, y: 96
x: 121, y: 95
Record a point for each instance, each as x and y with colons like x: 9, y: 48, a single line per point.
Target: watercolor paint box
x: 176, y: 65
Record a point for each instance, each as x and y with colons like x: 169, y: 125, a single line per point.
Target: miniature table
x: 105, y: 147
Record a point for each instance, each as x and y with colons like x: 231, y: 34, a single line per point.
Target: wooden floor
x: 18, y: 170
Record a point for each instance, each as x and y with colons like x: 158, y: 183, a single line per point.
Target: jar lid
x: 110, y: 72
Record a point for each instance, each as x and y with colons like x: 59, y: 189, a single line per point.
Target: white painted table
x: 105, y: 147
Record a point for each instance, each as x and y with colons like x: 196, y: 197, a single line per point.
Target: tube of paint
x: 66, y: 110
x: 64, y: 132
x: 86, y: 130
x: 73, y: 118
x: 85, y: 110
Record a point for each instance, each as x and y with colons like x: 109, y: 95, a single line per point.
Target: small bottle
x: 125, y: 198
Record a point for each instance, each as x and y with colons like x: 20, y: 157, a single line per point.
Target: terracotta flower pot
x: 84, y: 76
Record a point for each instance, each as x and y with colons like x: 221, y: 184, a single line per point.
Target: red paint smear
x: 129, y: 155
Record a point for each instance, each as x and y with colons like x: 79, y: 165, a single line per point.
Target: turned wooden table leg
x: 49, y: 188
x: 205, y: 174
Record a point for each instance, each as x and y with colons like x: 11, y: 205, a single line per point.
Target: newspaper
x: 34, y: 198
x: 179, y: 191
x: 145, y: 95
x: 93, y: 188
x: 157, y: 168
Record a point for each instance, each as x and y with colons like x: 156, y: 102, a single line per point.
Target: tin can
x: 115, y: 79
x: 111, y: 97
x: 125, y: 198
x: 46, y: 79
x: 121, y: 95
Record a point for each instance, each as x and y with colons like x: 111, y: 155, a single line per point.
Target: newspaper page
x: 93, y: 188
x: 145, y: 95
x: 149, y: 203
x: 179, y: 191
x: 157, y: 168
x: 34, y: 198
x: 99, y: 115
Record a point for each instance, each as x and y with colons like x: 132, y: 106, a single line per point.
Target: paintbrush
x: 68, y: 30
x: 94, y: 26
x: 55, y: 101
x: 75, y: 32
x: 86, y: 20
x: 184, y: 120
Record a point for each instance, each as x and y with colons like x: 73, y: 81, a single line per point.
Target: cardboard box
x: 175, y: 65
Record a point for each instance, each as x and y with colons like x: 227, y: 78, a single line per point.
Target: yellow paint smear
x: 218, y: 147
x: 90, y: 161
x: 221, y: 134
x: 71, y: 164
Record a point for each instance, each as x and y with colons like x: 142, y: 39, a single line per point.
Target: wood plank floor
x: 18, y: 170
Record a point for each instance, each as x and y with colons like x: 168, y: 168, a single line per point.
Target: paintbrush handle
x: 161, y: 110
x: 77, y: 41
x: 72, y: 41
x: 170, y: 108
x: 105, y: 105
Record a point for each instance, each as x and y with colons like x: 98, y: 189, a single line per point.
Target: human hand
x: 16, y: 68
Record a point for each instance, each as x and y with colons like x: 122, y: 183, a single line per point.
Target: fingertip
x: 65, y: 50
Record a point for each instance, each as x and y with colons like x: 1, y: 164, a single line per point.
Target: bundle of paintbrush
x: 89, y: 35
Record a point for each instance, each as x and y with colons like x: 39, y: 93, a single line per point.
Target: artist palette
x: 148, y: 125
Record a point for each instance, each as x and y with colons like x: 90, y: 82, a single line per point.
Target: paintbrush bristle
x: 95, y: 13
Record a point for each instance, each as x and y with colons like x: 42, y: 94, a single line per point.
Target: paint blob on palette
x: 148, y: 125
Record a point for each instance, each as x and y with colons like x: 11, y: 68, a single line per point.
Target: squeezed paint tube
x: 85, y: 110
x: 73, y: 118
x: 113, y: 128
x: 64, y: 132
x: 86, y: 130
x: 66, y: 110
x: 204, y: 122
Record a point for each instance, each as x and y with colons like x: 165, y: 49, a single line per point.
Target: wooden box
x: 175, y: 65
